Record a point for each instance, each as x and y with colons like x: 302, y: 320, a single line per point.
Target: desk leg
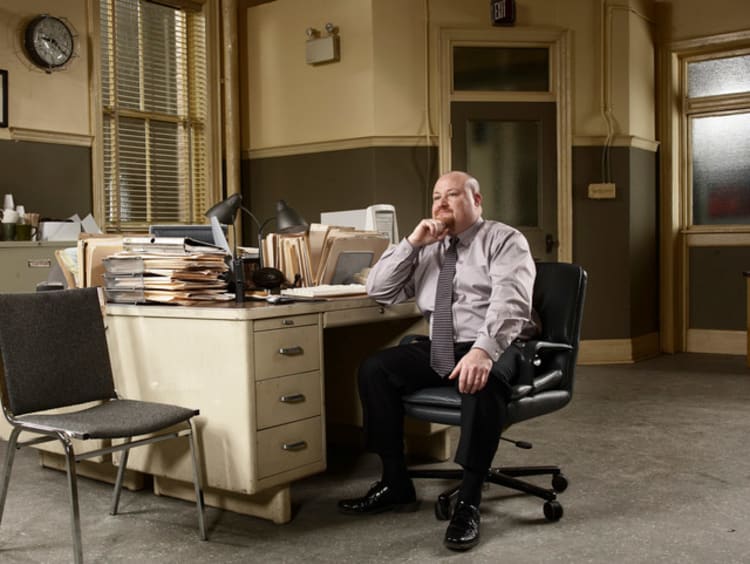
x: 274, y: 504
x: 428, y: 440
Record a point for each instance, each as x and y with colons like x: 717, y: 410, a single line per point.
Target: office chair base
x: 506, y: 477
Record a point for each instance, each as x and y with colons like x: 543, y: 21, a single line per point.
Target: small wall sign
x: 503, y: 12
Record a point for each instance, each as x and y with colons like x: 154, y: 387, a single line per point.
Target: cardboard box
x: 59, y: 230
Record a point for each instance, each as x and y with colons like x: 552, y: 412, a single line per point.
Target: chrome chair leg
x: 118, y: 481
x: 75, y: 514
x: 198, y: 483
x: 10, y: 455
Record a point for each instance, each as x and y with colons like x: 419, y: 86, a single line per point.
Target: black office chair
x: 55, y: 355
x: 545, y: 385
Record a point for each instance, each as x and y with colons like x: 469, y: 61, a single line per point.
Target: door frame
x: 558, y: 43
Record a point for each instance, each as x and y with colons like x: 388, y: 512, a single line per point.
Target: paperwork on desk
x: 166, y: 270
x: 327, y: 255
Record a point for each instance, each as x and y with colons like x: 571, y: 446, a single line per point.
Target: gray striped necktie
x: 442, y: 357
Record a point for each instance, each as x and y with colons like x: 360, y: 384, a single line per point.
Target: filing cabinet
x: 23, y: 264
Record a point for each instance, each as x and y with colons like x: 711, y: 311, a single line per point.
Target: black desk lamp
x: 287, y: 221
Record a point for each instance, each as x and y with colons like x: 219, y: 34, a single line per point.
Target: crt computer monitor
x: 199, y: 232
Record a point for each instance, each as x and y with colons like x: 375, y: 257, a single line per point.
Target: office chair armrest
x: 538, y: 347
x: 528, y: 382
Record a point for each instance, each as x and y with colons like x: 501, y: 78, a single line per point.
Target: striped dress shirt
x: 493, y: 286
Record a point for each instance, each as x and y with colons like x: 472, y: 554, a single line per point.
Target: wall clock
x: 49, y: 42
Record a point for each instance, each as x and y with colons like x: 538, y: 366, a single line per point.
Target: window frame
x: 701, y: 107
x: 210, y: 11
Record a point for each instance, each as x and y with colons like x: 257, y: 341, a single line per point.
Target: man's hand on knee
x: 472, y: 371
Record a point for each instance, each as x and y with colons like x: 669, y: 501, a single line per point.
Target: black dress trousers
x: 391, y: 373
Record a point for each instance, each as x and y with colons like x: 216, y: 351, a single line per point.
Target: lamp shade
x: 226, y: 210
x: 288, y: 220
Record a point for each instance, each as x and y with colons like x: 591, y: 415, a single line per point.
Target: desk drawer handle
x: 292, y: 398
x: 287, y: 322
x: 299, y: 445
x: 291, y: 351
x: 39, y: 263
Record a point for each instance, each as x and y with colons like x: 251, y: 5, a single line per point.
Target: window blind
x: 154, y: 109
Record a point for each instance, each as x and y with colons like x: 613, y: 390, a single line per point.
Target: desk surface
x: 337, y: 311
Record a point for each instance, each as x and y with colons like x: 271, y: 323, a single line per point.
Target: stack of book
x: 171, y: 270
x: 325, y: 255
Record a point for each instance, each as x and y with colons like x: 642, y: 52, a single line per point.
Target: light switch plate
x: 602, y: 191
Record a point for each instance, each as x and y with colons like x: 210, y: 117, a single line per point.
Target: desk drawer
x: 286, y: 322
x: 288, y: 398
x: 370, y: 314
x: 287, y: 351
x: 289, y: 446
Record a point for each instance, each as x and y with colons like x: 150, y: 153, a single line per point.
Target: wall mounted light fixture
x: 319, y: 49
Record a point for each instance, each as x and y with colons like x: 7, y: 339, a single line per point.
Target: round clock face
x: 49, y: 42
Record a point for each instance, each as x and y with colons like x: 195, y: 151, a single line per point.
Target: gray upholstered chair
x: 545, y: 385
x: 55, y: 355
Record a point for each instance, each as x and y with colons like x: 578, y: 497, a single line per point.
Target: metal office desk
x: 266, y: 379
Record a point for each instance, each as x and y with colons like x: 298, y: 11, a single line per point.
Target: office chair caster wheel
x: 559, y: 483
x: 553, y: 511
x: 443, y: 508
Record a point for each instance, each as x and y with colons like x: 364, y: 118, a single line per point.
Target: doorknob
x: 550, y: 243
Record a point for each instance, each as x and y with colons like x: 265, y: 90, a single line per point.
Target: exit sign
x: 503, y: 12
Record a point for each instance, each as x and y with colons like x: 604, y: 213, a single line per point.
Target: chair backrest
x: 54, y: 350
x: 559, y: 293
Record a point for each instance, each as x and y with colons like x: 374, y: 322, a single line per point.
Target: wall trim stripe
x: 716, y: 341
x: 618, y: 141
x: 41, y: 136
x: 618, y: 351
x: 421, y: 140
x: 341, y: 145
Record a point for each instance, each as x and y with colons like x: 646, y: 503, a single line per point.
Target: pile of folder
x: 325, y: 255
x: 171, y: 270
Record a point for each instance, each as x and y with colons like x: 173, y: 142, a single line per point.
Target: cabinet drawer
x: 286, y: 322
x: 288, y: 398
x: 289, y: 446
x: 287, y: 351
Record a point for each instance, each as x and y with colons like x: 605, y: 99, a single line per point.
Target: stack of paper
x: 327, y: 255
x: 167, y: 270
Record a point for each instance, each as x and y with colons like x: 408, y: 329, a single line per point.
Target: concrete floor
x: 656, y: 454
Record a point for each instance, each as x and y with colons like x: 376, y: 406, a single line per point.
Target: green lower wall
x: 615, y: 240
x: 342, y: 180
x: 51, y: 179
x: 717, y: 293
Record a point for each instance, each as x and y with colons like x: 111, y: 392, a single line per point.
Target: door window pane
x: 504, y: 156
x: 521, y: 69
x: 729, y: 75
x: 721, y: 169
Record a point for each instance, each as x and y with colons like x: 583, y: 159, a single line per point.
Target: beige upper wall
x: 292, y: 103
x: 689, y: 19
x: 56, y: 102
x: 378, y: 87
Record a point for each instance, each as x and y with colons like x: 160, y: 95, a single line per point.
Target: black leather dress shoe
x: 463, y: 531
x: 381, y: 497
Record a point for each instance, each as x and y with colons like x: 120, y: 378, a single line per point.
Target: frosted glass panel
x: 719, y: 76
x: 721, y: 169
x: 521, y: 69
x: 504, y: 156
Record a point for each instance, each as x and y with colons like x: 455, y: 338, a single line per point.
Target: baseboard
x: 618, y: 351
x: 716, y: 341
